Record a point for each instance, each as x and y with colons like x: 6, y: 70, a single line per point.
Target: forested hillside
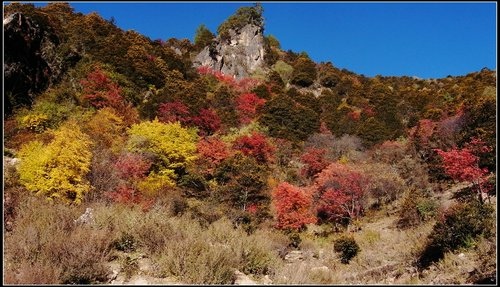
x: 230, y: 155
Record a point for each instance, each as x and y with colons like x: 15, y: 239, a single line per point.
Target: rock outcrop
x: 240, y: 54
x: 31, y: 62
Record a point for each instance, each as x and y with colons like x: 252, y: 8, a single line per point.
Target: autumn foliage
x: 339, y: 190
x: 173, y: 112
x: 247, y: 106
x: 293, y: 207
x: 463, y: 164
x: 213, y: 150
x: 132, y: 165
x: 255, y: 145
x: 314, y: 159
x: 57, y: 170
x: 100, y: 91
x: 207, y: 121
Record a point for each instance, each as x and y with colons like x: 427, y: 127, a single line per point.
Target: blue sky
x: 423, y: 39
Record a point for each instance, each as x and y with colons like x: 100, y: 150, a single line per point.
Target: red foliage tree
x: 463, y: 165
x: 125, y: 194
x: 314, y: 159
x: 132, y: 166
x: 293, y: 207
x: 255, y: 145
x: 173, y: 112
x: 339, y: 191
x: 247, y: 106
x: 423, y: 131
x: 207, y: 121
x: 212, y: 152
x: 100, y: 91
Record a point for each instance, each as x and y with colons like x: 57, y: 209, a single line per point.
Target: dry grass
x: 46, y: 247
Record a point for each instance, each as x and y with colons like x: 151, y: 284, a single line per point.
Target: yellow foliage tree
x: 58, y: 170
x: 172, y: 147
x: 106, y: 128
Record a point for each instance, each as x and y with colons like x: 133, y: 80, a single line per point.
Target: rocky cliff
x: 240, y: 54
x: 31, y: 62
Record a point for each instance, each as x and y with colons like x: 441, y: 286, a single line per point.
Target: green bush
x: 458, y: 227
x: 284, y: 70
x: 304, y: 72
x: 295, y: 239
x: 417, y: 207
x: 242, y: 17
x: 348, y: 248
x: 126, y: 242
x: 203, y: 37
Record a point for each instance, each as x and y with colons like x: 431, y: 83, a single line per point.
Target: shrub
x: 385, y: 183
x: 46, y: 240
x: 172, y: 146
x: 255, y: 145
x: 417, y: 207
x: 314, y: 160
x: 242, y: 17
x: 255, y: 258
x: 348, y: 248
x: 458, y: 227
x: 191, y: 256
x: 83, y: 257
x: 340, y: 190
x: 304, y: 72
x: 58, y: 170
x: 126, y: 242
x: 242, y: 182
x: 284, y: 70
x: 293, y: 207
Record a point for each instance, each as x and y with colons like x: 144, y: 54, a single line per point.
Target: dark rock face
x: 31, y: 63
x: 240, y: 55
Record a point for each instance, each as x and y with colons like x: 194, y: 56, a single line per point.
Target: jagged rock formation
x: 31, y: 62
x: 240, y: 54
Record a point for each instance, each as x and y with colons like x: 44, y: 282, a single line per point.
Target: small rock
x: 266, y: 280
x: 112, y: 276
x: 320, y: 269
x: 138, y: 280
x: 294, y: 256
x: 461, y: 255
x: 145, y: 265
x: 242, y: 279
x: 86, y: 218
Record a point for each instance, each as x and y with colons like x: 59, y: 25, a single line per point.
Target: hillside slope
x: 229, y: 160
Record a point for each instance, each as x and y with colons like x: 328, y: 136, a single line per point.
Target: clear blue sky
x: 423, y: 39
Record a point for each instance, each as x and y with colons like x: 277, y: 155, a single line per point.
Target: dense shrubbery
x: 347, y: 247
